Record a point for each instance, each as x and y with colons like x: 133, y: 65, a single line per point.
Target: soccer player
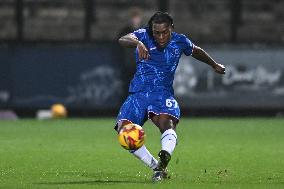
x: 151, y: 94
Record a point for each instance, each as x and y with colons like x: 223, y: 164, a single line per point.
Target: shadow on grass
x: 95, y: 182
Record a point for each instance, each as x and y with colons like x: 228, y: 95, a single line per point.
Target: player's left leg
x: 167, y: 125
x: 164, y: 112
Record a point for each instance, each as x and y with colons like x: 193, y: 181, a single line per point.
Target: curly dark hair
x: 159, y: 18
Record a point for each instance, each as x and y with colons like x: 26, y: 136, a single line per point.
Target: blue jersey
x: 157, y: 73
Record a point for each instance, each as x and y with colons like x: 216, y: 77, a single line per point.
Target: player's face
x: 162, y: 33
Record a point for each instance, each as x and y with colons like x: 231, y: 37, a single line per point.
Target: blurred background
x: 58, y: 51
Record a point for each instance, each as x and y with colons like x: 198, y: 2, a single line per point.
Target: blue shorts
x: 139, y: 106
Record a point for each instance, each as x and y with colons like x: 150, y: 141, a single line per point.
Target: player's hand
x: 143, y: 52
x: 219, y: 68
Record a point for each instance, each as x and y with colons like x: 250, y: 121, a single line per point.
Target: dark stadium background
x: 54, y: 51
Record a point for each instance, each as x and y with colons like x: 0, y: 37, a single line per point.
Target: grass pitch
x: 84, y: 153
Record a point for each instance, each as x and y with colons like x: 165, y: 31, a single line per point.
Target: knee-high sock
x: 169, y: 140
x: 146, y: 157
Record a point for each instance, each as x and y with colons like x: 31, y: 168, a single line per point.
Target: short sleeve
x: 187, y: 46
x: 140, y: 34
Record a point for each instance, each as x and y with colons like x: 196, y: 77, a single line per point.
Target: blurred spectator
x: 134, y: 22
x: 129, y: 66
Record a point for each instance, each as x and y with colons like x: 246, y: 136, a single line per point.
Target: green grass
x: 84, y: 153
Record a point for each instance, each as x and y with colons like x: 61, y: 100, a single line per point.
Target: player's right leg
x: 134, y: 111
x: 142, y: 153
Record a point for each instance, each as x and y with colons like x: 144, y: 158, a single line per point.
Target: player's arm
x: 201, y: 55
x: 131, y: 41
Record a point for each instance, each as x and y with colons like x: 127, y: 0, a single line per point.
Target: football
x: 58, y: 111
x: 131, y: 137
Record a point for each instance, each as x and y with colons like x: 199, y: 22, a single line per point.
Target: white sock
x: 146, y: 157
x: 169, y: 140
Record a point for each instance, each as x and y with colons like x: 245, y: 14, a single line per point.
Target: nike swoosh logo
x: 153, y: 48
